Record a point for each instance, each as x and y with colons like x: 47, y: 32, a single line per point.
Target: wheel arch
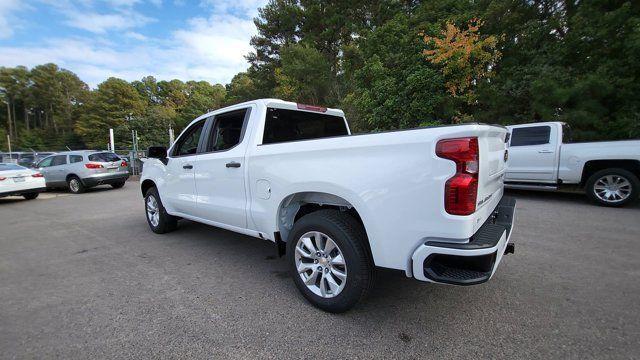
x: 593, y: 166
x: 146, y: 185
x: 298, y: 204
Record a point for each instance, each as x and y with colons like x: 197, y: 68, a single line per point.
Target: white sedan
x: 18, y: 180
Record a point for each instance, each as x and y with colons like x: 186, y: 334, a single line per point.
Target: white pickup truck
x: 427, y: 201
x: 542, y: 157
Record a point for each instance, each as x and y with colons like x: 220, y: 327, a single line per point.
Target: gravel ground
x: 82, y: 276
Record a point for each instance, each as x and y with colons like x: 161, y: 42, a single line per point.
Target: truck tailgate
x: 492, y: 161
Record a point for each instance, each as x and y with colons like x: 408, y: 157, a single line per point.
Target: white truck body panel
x: 394, y: 180
x: 555, y: 161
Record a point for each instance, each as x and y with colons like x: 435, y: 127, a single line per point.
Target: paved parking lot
x: 81, y: 276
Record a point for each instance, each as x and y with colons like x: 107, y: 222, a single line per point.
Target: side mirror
x: 158, y: 152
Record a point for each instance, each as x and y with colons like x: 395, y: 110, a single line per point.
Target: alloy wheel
x: 153, y: 212
x: 321, y: 264
x: 612, y: 188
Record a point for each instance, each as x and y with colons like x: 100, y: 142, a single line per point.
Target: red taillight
x: 93, y: 166
x: 123, y: 163
x: 3, y: 178
x: 461, y: 191
x: 37, y: 175
x: 311, y: 108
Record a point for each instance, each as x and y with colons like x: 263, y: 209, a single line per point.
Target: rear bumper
x: 23, y: 191
x: 108, y: 178
x: 472, y: 262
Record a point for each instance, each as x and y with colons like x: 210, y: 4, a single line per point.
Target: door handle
x: 187, y: 166
x: 233, y: 164
x: 545, y: 152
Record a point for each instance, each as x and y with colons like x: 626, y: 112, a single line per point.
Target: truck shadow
x: 559, y: 197
x: 393, y: 294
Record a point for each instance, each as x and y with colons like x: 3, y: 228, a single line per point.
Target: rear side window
x: 104, y: 157
x: 534, y: 135
x: 290, y: 125
x: 59, y: 160
x: 75, y: 158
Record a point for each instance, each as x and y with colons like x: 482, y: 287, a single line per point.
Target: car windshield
x: 6, y: 167
x: 104, y: 157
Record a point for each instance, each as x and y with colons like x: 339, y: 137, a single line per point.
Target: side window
x: 59, y: 160
x: 534, y: 135
x: 75, y: 158
x: 227, y: 130
x: 46, y: 162
x: 188, y: 142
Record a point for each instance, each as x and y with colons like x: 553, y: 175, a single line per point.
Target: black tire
x: 75, y: 185
x: 166, y: 222
x: 632, y: 179
x: 118, y: 185
x: 30, y: 196
x: 351, y: 238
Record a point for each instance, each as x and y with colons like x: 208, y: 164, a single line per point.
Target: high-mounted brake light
x: 37, y: 175
x: 461, y: 190
x: 93, y: 166
x: 312, y: 108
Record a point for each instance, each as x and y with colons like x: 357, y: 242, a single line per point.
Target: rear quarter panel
x: 573, y: 156
x: 394, y: 180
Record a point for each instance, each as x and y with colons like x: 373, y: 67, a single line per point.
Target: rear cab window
x: 104, y: 157
x: 532, y: 135
x: 284, y: 125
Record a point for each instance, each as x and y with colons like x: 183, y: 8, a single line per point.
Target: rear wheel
x: 328, y: 259
x: 30, y: 196
x: 158, y: 219
x: 613, y: 187
x: 75, y: 185
x: 117, y: 185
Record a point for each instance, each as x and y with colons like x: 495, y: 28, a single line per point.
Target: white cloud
x: 7, y: 20
x: 101, y: 23
x: 136, y: 36
x: 206, y: 48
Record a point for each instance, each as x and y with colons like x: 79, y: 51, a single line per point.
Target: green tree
x: 114, y: 105
x: 305, y: 75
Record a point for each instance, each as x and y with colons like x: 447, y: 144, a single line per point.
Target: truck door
x: 533, y: 154
x: 180, y: 184
x: 220, y: 170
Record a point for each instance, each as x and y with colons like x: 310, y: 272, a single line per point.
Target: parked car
x: 541, y: 157
x: 79, y: 170
x: 427, y: 201
x: 18, y: 180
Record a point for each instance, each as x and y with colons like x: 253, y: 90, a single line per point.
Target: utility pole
x: 171, y: 139
x: 111, y: 141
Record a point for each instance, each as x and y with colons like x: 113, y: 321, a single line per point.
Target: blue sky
x: 96, y: 39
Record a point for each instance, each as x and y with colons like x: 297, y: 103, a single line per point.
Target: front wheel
x: 328, y: 259
x: 158, y: 219
x: 613, y: 187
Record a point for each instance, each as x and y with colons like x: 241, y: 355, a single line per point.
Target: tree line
x: 390, y: 64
